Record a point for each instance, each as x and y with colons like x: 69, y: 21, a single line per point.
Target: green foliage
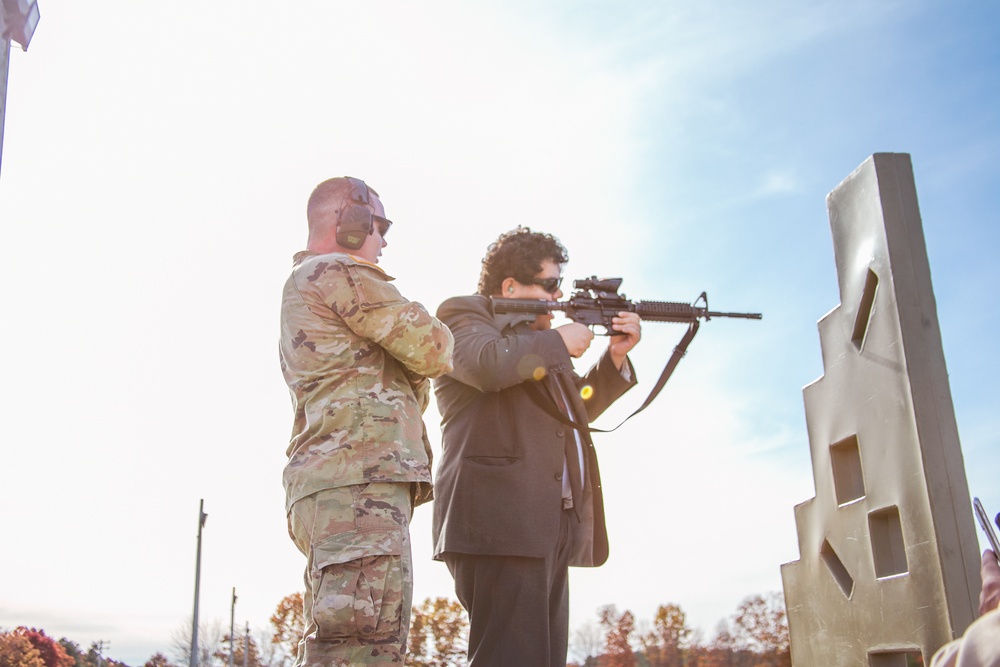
x: 80, y: 657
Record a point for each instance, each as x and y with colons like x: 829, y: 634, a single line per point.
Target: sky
x: 156, y: 165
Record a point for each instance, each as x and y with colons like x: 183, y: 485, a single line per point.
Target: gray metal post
x: 232, y: 617
x: 4, y: 69
x: 197, y: 584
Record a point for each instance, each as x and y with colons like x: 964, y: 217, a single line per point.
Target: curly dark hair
x: 518, y: 254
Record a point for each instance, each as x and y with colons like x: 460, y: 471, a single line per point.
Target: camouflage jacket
x: 356, y: 356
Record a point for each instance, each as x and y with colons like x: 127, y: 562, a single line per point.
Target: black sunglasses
x: 550, y: 285
x: 383, y: 224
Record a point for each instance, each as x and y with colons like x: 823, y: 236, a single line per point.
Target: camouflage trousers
x: 359, y: 575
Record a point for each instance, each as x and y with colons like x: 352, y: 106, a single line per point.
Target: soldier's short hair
x: 326, y: 200
x: 518, y: 254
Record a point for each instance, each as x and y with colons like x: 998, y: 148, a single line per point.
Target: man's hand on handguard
x: 628, y: 324
x: 576, y: 337
x: 989, y: 599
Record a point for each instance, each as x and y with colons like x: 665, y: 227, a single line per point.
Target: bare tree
x: 586, y: 643
x: 760, y: 625
x: 269, y: 653
x: 209, y: 644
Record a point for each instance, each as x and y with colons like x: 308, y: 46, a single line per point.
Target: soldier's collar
x: 362, y: 260
x: 303, y: 255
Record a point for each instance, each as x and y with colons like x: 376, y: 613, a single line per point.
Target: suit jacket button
x: 560, y: 433
x: 558, y: 476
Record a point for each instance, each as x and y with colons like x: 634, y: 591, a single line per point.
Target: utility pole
x: 4, y: 70
x: 232, y: 616
x: 18, y: 19
x: 100, y: 646
x: 197, y: 584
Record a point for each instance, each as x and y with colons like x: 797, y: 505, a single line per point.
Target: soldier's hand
x: 576, y: 337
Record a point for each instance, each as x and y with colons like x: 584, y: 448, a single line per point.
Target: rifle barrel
x: 670, y: 311
x: 745, y: 316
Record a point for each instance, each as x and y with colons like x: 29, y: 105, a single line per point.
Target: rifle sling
x: 546, y: 403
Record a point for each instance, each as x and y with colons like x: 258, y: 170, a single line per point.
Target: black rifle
x: 594, y: 304
x: 596, y: 301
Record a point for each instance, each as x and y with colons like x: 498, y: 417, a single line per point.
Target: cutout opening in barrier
x: 837, y: 569
x: 909, y: 658
x: 848, y: 476
x: 865, y: 309
x: 888, y: 547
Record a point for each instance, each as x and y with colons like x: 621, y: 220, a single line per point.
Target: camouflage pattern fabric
x: 356, y: 356
x: 359, y: 581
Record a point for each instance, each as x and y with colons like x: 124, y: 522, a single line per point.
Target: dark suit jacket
x: 498, y: 486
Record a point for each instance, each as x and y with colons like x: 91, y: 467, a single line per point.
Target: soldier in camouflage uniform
x: 357, y: 357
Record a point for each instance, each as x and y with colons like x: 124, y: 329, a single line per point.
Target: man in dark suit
x: 518, y: 491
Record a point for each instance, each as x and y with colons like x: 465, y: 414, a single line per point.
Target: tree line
x: 756, y: 635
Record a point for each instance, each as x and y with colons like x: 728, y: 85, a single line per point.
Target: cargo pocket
x: 358, y: 586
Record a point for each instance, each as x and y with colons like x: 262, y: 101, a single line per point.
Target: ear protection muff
x: 354, y: 221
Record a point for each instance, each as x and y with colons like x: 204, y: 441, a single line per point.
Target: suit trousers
x: 518, y: 607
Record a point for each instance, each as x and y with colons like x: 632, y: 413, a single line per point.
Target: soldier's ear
x: 507, y: 287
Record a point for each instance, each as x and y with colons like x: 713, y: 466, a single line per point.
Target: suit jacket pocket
x: 493, y: 460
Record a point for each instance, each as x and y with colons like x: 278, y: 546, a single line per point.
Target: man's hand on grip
x: 576, y: 337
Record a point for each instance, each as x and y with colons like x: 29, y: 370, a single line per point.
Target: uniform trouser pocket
x: 358, y: 586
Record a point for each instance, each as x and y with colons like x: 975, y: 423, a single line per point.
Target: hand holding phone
x: 984, y: 523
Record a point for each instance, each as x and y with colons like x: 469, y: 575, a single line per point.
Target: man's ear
x: 507, y: 287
